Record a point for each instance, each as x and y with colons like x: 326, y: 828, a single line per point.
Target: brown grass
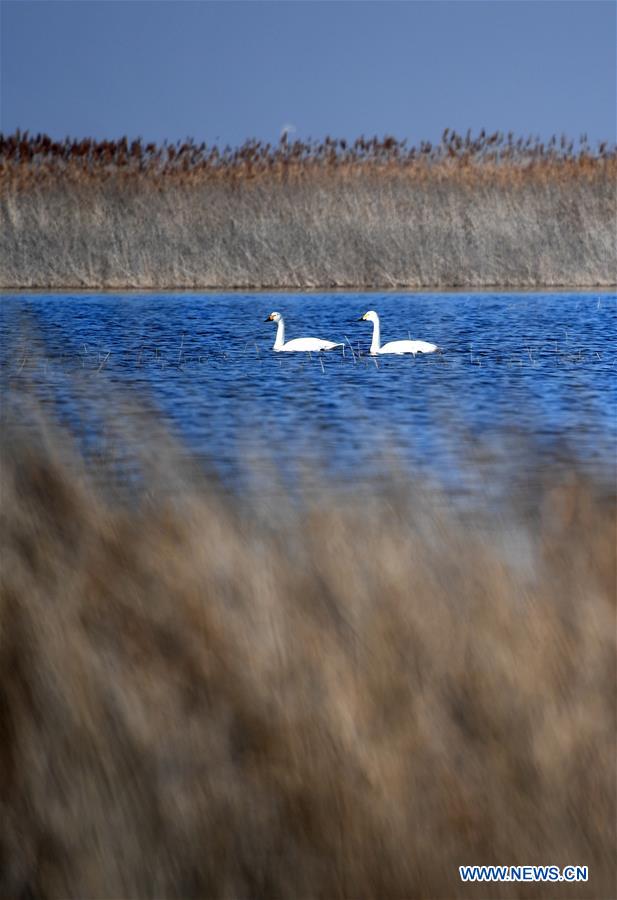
x: 489, y: 210
x: 342, y: 697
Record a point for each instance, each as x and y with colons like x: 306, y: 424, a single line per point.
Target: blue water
x: 516, y: 369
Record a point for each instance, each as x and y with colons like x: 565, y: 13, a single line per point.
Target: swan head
x: 370, y: 316
x: 274, y: 317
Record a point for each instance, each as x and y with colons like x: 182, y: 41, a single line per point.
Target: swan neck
x: 280, y: 335
x: 376, y: 342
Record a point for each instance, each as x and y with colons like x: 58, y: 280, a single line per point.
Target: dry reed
x: 489, y: 210
x: 344, y: 697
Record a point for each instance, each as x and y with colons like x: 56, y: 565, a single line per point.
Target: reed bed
x: 466, y: 211
x: 339, y: 695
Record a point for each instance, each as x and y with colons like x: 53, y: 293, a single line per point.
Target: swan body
x: 298, y: 345
x: 393, y: 346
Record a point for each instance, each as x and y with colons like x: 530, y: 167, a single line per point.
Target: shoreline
x: 317, y: 289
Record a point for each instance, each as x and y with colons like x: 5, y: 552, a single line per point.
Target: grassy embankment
x: 464, y: 212
x: 349, y: 697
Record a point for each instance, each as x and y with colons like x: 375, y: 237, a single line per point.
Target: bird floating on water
x: 298, y: 345
x: 393, y: 346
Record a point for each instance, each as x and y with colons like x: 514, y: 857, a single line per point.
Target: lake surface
x: 517, y: 369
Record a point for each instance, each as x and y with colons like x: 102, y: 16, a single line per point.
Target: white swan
x: 393, y: 346
x: 298, y: 345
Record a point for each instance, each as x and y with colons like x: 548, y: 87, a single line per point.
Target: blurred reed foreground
x: 340, y: 696
x: 483, y: 211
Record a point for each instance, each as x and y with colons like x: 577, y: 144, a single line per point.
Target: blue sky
x: 226, y: 71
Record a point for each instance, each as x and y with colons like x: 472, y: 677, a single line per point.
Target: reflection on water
x: 539, y: 366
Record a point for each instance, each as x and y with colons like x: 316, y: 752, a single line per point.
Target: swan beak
x: 269, y: 319
x: 361, y: 319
